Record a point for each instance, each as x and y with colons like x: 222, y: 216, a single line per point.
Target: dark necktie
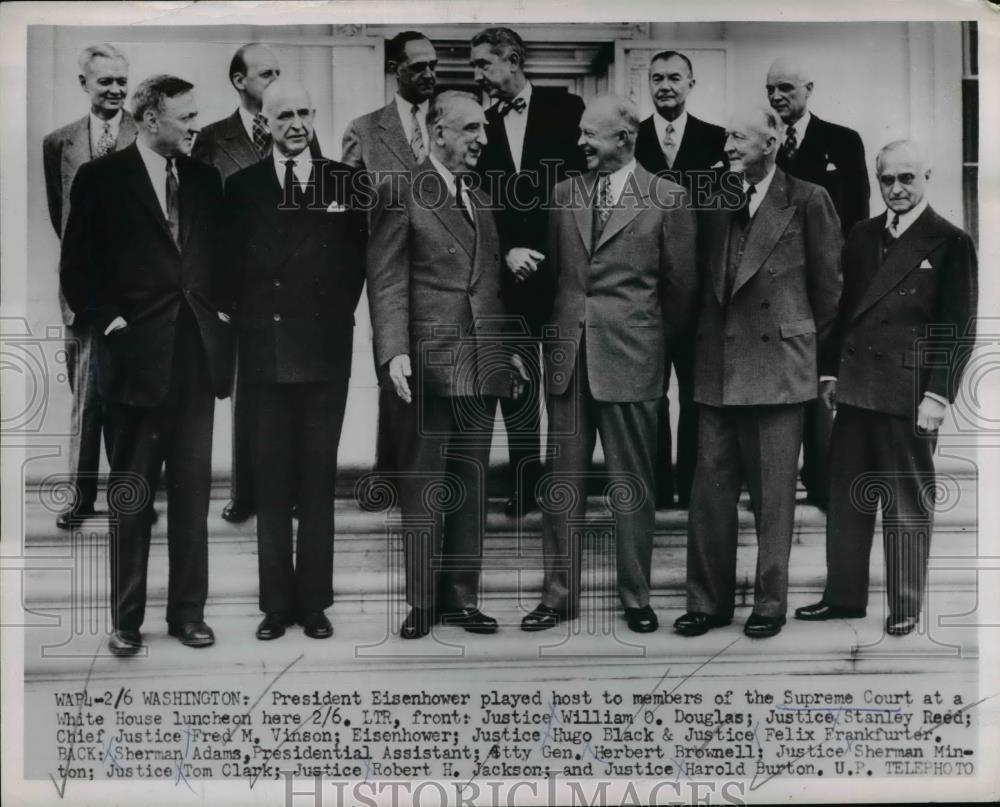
x: 261, y: 136
x: 890, y: 234
x: 517, y: 105
x: 462, y: 198
x: 173, y: 203
x: 602, y: 210
x: 743, y: 213
x: 791, y: 144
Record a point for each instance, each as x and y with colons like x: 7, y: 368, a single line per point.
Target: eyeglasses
x: 888, y: 180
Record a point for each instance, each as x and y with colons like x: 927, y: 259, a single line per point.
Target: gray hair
x: 102, y: 51
x: 151, y: 93
x: 915, y: 148
x: 502, y: 41
x: 441, y: 104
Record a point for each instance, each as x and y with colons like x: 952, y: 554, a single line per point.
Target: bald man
x: 623, y: 245
x: 296, y: 265
x: 832, y: 157
x: 906, y: 271
x: 229, y: 145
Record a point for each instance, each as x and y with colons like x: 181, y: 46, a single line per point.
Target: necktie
x: 791, y: 143
x: 173, y: 203
x: 602, y: 210
x: 416, y: 137
x: 890, y: 234
x: 462, y: 199
x: 743, y: 214
x: 669, y: 146
x: 517, y: 105
x: 105, y: 143
x: 261, y: 136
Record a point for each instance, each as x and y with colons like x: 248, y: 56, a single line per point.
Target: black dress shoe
x: 417, y: 623
x: 68, y: 519
x: 761, y: 627
x: 315, y: 625
x: 272, y: 626
x: 192, y: 634
x: 543, y: 618
x: 472, y: 619
x: 641, y: 620
x: 820, y: 611
x: 236, y: 513
x: 695, y: 623
x: 901, y: 625
x: 124, y: 642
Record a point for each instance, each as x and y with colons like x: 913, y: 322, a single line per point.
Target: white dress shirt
x: 906, y: 219
x: 302, y: 168
x: 660, y: 123
x: 449, y: 180
x: 156, y: 167
x: 618, y: 179
x: 405, y: 109
x: 97, y: 128
x: 516, y: 123
x: 800, y: 127
x: 247, y: 119
x: 760, y: 191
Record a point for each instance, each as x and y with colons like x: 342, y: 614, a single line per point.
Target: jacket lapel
x: 769, y: 223
x: 918, y: 240
x: 142, y: 184
x: 76, y: 148
x: 718, y: 243
x: 582, y: 199
x: 392, y: 135
x: 628, y: 206
x: 190, y: 199
x: 236, y: 144
x: 430, y: 186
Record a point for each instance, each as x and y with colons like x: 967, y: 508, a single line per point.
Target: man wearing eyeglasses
x: 910, y: 293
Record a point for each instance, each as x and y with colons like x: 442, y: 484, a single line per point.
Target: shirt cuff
x: 827, y: 378
x: 935, y: 397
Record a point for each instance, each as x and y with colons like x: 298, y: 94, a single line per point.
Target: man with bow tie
x: 531, y: 145
x: 230, y: 145
x: 832, y: 157
x: 622, y: 242
x: 296, y: 252
x: 107, y: 128
x: 765, y: 320
x: 902, y: 340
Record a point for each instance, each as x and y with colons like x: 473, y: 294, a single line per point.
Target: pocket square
x: 925, y: 264
x: 718, y: 165
x: 335, y: 207
x: 831, y: 167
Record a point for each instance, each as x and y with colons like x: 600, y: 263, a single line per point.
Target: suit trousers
x: 879, y: 459
x: 671, y: 479
x: 297, y: 434
x: 628, y: 435
x: 179, y: 434
x: 443, y: 447
x: 522, y: 421
x: 761, y: 445
x: 242, y: 488
x: 816, y: 431
x: 87, y: 413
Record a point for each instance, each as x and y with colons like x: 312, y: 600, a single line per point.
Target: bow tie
x: 518, y: 105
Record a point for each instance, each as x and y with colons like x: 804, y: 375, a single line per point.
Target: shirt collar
x: 302, y: 167
x: 760, y: 188
x: 660, y: 124
x: 449, y: 177
x: 406, y: 108
x: 906, y: 219
x: 97, y: 124
x: 247, y: 119
x: 155, y: 162
x: 800, y: 126
x: 617, y: 180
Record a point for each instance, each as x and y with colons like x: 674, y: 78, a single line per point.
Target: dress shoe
x: 192, y: 634
x: 900, y: 625
x: 471, y: 619
x: 236, y: 513
x: 761, y: 627
x: 820, y: 611
x: 543, y: 618
x: 641, y: 620
x: 124, y: 642
x: 695, y: 623
x: 315, y: 625
x: 272, y: 626
x: 417, y: 623
x: 68, y: 519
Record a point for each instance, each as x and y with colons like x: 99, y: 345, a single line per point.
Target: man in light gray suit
x: 103, y: 130
x: 394, y: 138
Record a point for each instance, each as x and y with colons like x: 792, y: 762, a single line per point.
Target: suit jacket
x: 119, y: 259
x: 760, y: 346
x: 628, y: 294
x: 63, y: 152
x: 377, y: 143
x: 295, y: 274
x: 701, y: 149
x: 833, y: 157
x: 434, y: 287
x: 226, y: 146
x: 884, y: 357
x: 549, y: 153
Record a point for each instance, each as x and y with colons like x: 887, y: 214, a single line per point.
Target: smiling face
x: 670, y: 81
x: 173, y: 128
x: 459, y: 135
x: 603, y: 138
x: 289, y: 116
x: 416, y: 74
x: 749, y: 147
x: 106, y: 83
x: 902, y: 178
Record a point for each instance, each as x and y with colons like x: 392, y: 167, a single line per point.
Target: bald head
x: 252, y: 69
x: 788, y: 89
x: 289, y: 113
x: 607, y: 132
x: 903, y: 171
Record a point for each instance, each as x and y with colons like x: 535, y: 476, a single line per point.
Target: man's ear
x: 239, y: 81
x: 83, y: 81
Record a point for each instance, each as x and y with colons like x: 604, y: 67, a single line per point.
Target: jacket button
x: 765, y: 304
x: 451, y: 250
x: 277, y: 284
x: 902, y: 292
x: 277, y: 317
x: 765, y: 338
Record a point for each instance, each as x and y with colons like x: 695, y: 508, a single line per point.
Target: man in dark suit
x: 140, y: 260
x: 394, y: 139
x: 434, y: 291
x: 688, y: 150
x: 910, y: 294
x: 622, y: 245
x: 106, y: 128
x: 768, y: 306
x: 832, y: 157
x: 297, y: 253
x: 230, y: 145
x: 531, y: 144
